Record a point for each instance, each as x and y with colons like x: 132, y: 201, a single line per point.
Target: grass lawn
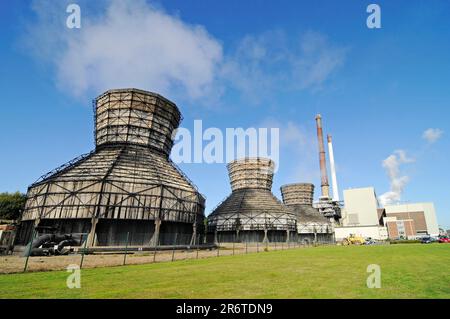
x: 407, y: 271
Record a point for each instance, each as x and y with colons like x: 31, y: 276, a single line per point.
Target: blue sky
x: 238, y: 64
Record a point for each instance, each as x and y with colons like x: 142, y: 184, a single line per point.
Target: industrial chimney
x: 323, y: 166
x: 333, y: 169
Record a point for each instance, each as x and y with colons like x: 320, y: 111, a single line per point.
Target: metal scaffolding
x: 251, y: 212
x: 128, y: 184
x: 312, y: 225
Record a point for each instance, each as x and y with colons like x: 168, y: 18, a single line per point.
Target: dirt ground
x: 15, y: 264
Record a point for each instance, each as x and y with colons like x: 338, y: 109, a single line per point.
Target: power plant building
x: 361, y: 215
x: 411, y: 220
x: 127, y: 185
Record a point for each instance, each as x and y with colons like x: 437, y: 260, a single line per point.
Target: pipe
x: 334, y: 185
x: 52, y: 240
x: 323, y: 165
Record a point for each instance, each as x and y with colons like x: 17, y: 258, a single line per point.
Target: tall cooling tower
x: 127, y: 186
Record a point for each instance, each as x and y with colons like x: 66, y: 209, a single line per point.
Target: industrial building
x: 251, y: 213
x: 312, y: 226
x: 127, y: 185
x: 411, y: 220
x: 363, y: 216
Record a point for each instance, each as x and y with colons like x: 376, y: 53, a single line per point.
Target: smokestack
x: 323, y: 165
x: 333, y: 169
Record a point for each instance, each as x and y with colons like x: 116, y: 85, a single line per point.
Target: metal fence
x: 97, y: 256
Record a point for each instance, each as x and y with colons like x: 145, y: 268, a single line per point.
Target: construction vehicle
x: 353, y: 240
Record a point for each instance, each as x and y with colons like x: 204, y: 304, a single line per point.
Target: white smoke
x: 129, y: 44
x: 138, y: 44
x: 397, y: 182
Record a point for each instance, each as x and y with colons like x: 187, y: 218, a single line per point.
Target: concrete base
x: 251, y: 236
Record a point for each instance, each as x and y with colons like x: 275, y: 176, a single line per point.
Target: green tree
x: 11, y: 205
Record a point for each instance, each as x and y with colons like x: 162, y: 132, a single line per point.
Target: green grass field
x: 407, y: 271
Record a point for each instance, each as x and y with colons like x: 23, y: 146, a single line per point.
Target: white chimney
x: 333, y: 170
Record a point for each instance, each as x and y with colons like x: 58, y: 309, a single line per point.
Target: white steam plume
x: 138, y: 44
x: 129, y: 44
x: 397, y: 182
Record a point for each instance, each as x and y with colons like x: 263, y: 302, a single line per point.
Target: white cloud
x: 129, y: 44
x: 270, y: 62
x: 135, y: 44
x: 431, y: 135
x: 397, y: 182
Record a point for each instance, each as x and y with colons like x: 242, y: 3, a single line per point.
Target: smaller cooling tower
x: 298, y: 194
x: 311, y: 224
x: 251, y: 213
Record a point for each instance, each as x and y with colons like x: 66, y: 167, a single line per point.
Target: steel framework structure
x: 128, y: 184
x: 251, y: 212
x: 311, y: 224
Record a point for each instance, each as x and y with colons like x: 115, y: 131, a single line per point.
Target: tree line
x: 11, y: 205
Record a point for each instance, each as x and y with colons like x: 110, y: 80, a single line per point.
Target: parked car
x: 426, y: 240
x: 444, y: 239
x: 370, y: 241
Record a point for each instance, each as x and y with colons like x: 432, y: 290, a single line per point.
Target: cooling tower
x: 127, y: 185
x: 298, y: 194
x: 311, y: 224
x: 251, y: 213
